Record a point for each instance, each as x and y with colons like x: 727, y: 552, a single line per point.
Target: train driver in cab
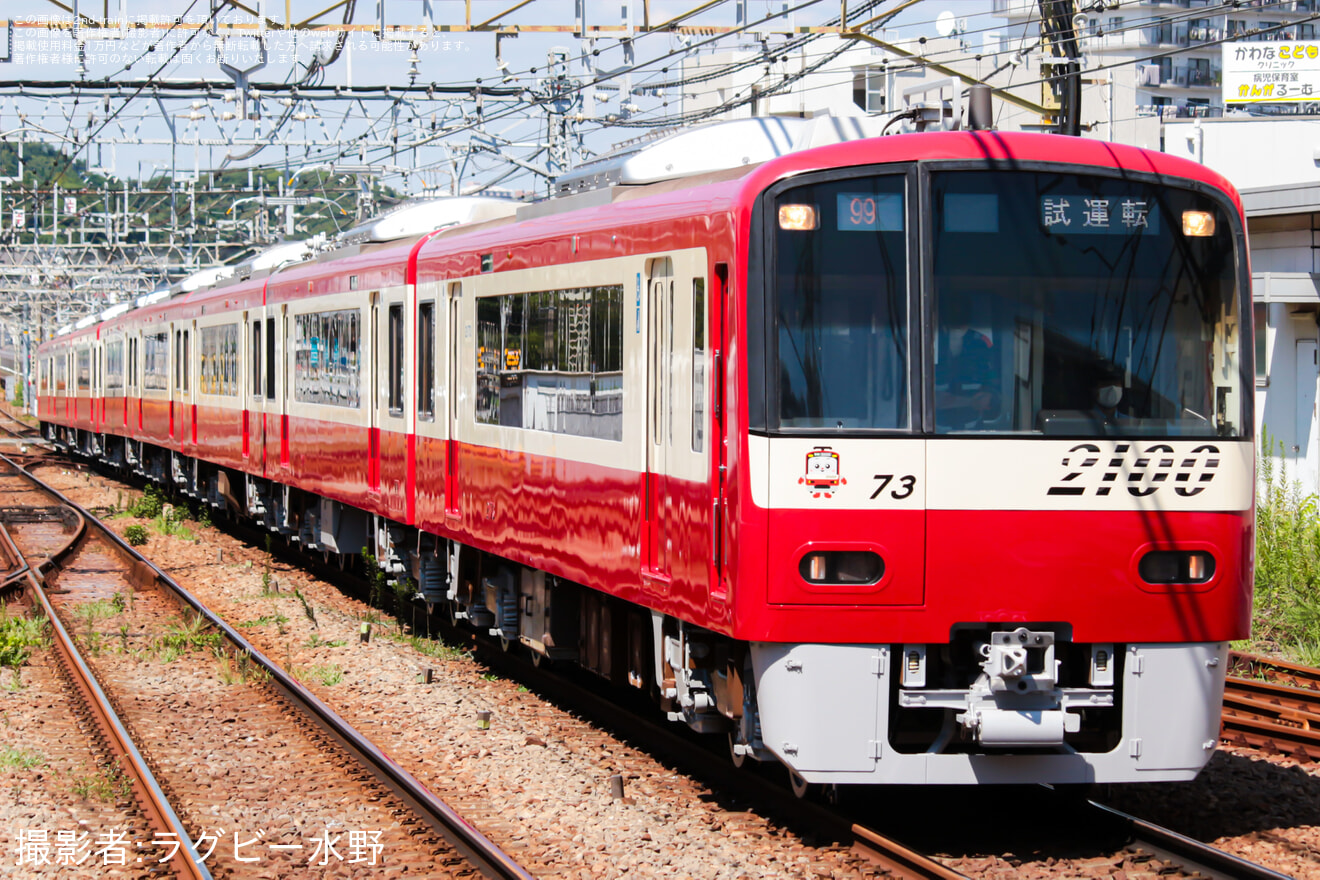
x: 966, y: 369
x: 1107, y: 395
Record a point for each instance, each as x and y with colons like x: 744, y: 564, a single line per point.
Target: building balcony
x: 1169, y: 111
x: 1275, y: 7
x: 1016, y: 8
x: 1198, y: 78
x: 1150, y: 76
x: 1144, y: 38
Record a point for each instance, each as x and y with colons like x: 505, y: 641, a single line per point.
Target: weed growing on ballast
x: 148, y: 505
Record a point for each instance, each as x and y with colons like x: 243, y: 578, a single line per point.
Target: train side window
x: 657, y: 408
x: 396, y: 360
x: 218, y: 347
x: 698, y: 363
x: 325, y: 358
x: 551, y: 360
x: 256, y: 358
x: 426, y: 360
x: 270, y: 358
x: 670, y: 366
x: 180, y: 360
x: 83, y: 369
x: 488, y: 351
x: 113, y: 375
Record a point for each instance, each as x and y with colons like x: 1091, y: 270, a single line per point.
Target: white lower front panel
x: 825, y: 713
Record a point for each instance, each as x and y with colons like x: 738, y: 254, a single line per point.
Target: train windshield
x: 1058, y: 304
x: 841, y: 280
x: 1083, y: 306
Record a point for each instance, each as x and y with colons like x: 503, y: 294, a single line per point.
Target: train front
x: 1000, y: 444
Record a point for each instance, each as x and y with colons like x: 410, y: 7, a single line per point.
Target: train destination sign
x: 870, y: 212
x: 1271, y: 73
x: 1098, y: 215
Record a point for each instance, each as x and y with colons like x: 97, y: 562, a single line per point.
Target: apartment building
x: 1162, y: 59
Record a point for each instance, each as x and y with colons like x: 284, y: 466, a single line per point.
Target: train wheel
x: 801, y: 788
x: 506, y: 643
x: 540, y: 661
x: 451, y: 609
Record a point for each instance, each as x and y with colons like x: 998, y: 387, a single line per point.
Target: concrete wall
x: 1251, y: 152
x: 1285, y: 405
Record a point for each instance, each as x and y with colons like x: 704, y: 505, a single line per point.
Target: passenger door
x: 253, y: 388
x: 98, y: 392
x: 708, y: 391
x: 181, y: 401
x: 389, y: 422
x: 453, y: 334
x: 277, y: 380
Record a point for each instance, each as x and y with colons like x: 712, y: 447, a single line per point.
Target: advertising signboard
x: 1271, y: 73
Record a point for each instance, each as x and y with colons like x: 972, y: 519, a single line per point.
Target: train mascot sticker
x: 822, y: 477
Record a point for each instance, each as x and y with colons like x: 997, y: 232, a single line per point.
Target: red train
x: 916, y: 459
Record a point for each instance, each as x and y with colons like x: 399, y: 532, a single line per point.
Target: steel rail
x: 1268, y: 737
x: 1188, y: 852
x: 1269, y: 715
x: 1281, y: 668
x: 900, y: 860
x: 897, y: 858
x: 1301, y: 705
x: 1257, y: 715
x: 146, y: 790
x: 474, y: 846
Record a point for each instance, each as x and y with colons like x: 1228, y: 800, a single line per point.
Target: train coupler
x: 1015, y: 701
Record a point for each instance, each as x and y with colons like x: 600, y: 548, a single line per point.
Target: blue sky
x: 43, y: 51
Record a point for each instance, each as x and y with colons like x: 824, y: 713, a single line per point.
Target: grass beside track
x: 1286, y: 616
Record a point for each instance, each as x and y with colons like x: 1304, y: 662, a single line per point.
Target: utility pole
x: 1058, y: 27
x: 562, y: 92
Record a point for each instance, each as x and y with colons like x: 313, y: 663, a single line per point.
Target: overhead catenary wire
x: 771, y: 84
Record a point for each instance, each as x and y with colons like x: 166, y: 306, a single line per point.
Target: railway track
x: 1273, y: 706
x: 385, y: 813
x: 93, y: 703
x: 1140, y: 845
x: 896, y: 858
x: 1177, y: 854
x: 1136, y: 845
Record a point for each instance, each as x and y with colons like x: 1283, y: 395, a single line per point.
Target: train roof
x: 450, y: 235
x: 734, y: 190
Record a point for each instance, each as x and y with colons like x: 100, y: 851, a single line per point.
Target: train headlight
x: 798, y: 218
x: 1198, y: 224
x: 856, y: 567
x: 1176, y: 567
